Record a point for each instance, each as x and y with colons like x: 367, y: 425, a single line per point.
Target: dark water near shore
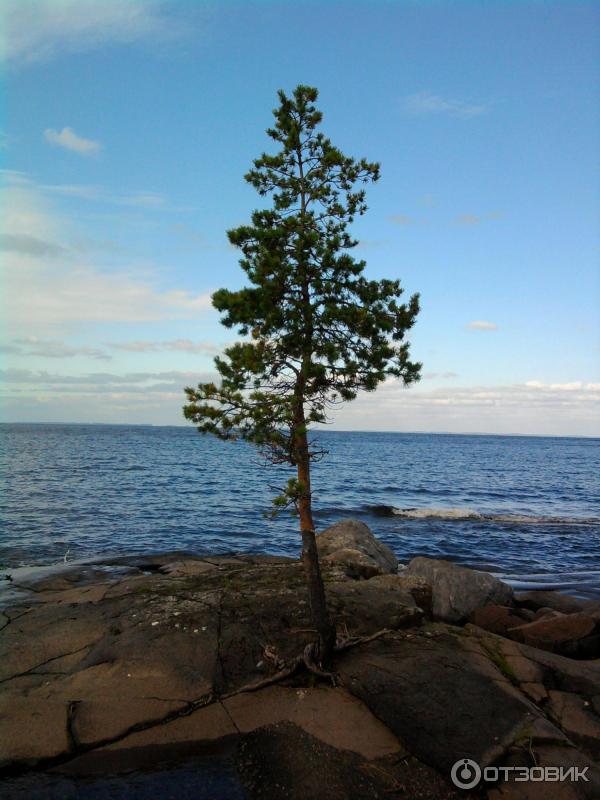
x: 527, y: 508
x: 202, y: 778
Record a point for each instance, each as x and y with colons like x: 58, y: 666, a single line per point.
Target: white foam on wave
x: 468, y: 513
x: 440, y: 513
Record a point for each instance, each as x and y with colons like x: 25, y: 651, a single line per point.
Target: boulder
x: 442, y: 699
x: 386, y: 601
x: 351, y: 544
x: 524, y: 664
x: 457, y: 591
x: 541, y: 599
x: 497, y: 619
x: 572, y: 635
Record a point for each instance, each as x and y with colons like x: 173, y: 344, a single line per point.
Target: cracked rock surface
x: 101, y: 671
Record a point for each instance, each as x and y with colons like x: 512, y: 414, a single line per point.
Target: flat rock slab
x: 441, y: 700
x: 332, y: 715
x: 283, y: 761
x: 105, y: 675
x: 576, y: 717
x: 119, y: 658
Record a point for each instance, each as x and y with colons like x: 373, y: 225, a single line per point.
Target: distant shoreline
x: 316, y: 430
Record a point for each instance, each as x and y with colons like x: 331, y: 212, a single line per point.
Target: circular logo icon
x: 465, y: 773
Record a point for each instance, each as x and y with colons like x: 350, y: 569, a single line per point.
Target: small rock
x: 540, y: 599
x: 497, y: 619
x: 572, y: 635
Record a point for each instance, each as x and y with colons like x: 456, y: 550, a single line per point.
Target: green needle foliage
x: 316, y: 330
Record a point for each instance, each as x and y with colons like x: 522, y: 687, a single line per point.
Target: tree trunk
x: 310, y: 560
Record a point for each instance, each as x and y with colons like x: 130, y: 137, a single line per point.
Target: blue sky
x: 128, y: 126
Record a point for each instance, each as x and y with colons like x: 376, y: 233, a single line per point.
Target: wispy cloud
x: 573, y: 386
x: 481, y: 325
x: 69, y: 140
x: 476, y: 219
x: 38, y: 30
x: 174, y: 345
x: 30, y: 245
x: 44, y: 290
x: 401, y: 219
x: 428, y: 103
x: 468, y: 219
x: 532, y: 407
x: 445, y: 375
x: 97, y: 381
x: 53, y: 348
x: 144, y: 199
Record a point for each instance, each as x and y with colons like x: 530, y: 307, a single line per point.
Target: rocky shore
x: 113, y: 667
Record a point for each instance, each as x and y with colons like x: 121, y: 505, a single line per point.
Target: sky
x: 126, y: 130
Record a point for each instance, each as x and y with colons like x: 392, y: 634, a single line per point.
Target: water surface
x: 526, y: 508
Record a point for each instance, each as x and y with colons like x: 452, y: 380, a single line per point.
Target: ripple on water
x: 525, y: 505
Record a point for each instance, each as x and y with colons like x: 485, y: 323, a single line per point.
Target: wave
x: 470, y: 514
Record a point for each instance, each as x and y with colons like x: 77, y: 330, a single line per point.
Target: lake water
x: 525, y: 508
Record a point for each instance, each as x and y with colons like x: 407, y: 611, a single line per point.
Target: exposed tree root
x: 353, y: 641
x: 308, y: 660
x: 277, y: 677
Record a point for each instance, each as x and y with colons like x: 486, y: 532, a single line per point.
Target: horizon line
x: 325, y: 430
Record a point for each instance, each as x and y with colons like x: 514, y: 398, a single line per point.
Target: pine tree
x: 316, y: 330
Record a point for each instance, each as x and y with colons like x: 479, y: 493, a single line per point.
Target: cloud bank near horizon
x: 533, y: 407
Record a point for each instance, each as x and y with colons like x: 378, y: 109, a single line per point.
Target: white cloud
x: 101, y: 381
x: 573, y: 386
x: 428, y: 376
x: 177, y: 345
x: 83, y: 293
x: 428, y: 103
x: 53, y: 348
x: 47, y: 291
x: 528, y: 408
x: 157, y: 397
x: 69, y: 140
x: 144, y: 199
x: 30, y: 245
x: 482, y: 325
x: 38, y: 30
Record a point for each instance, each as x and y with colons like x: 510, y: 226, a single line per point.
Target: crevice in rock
x: 48, y: 661
x: 167, y: 699
x: 219, y: 676
x: 231, y: 719
x: 78, y: 749
x: 74, y: 743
